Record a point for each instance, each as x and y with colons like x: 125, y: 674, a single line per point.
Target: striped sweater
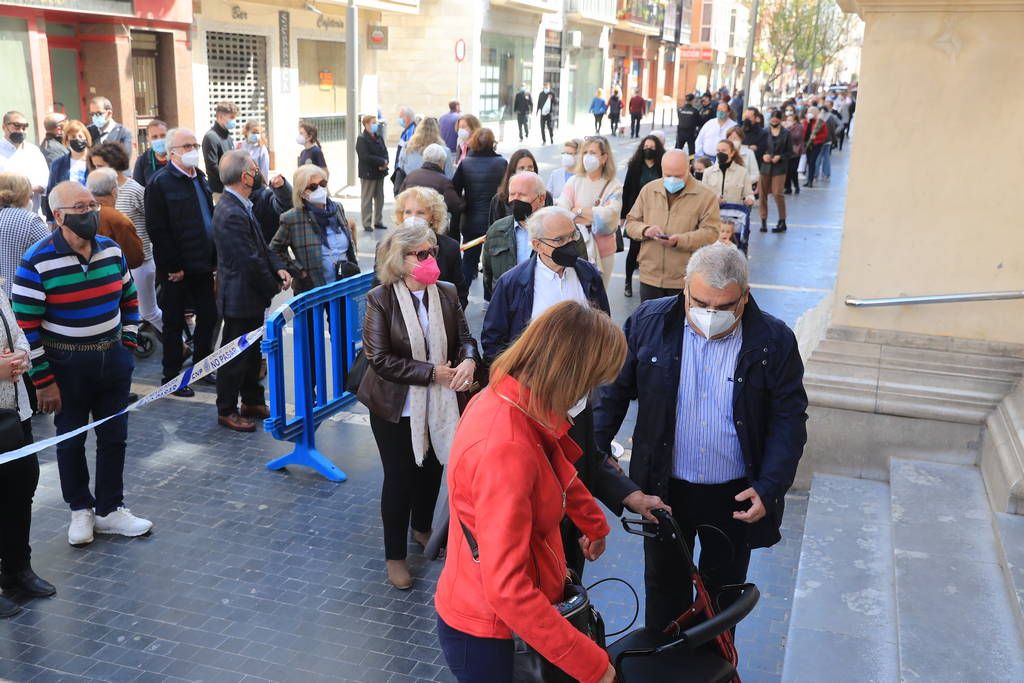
x: 59, y: 296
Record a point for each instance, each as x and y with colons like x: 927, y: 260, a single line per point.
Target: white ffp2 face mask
x: 578, y: 407
x: 568, y: 160
x: 190, y: 159
x: 712, y: 323
x: 591, y: 162
x: 318, y: 196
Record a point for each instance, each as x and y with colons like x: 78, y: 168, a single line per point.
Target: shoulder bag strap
x: 10, y: 346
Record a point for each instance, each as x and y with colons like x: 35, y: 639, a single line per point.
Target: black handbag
x: 355, y: 373
x: 344, y: 269
x: 528, y: 665
x: 620, y: 243
x: 12, y: 436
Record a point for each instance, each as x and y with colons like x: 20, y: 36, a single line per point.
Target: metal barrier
x: 339, y: 308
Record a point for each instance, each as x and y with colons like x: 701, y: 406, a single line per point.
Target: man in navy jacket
x: 721, y: 423
x: 552, y: 275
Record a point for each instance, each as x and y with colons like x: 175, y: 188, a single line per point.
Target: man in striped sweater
x: 75, y: 299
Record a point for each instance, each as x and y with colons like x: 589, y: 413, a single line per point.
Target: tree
x: 783, y: 26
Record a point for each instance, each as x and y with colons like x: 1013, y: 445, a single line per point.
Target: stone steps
x: 911, y: 581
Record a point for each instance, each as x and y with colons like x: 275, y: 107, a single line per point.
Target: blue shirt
x: 707, y: 449
x: 523, y: 248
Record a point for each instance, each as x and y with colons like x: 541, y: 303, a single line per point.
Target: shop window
x: 506, y: 63
x: 144, y: 75
x: 322, y: 87
x: 237, y: 66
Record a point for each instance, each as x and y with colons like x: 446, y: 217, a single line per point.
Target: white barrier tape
x: 204, y: 367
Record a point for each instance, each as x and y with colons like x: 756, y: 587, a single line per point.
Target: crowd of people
x: 199, y: 230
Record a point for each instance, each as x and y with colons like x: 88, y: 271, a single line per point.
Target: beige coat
x: 693, y: 217
x: 737, y: 183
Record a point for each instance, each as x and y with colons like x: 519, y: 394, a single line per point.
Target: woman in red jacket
x: 511, y: 479
x: 816, y: 134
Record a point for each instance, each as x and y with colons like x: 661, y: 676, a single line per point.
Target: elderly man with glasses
x: 76, y: 301
x: 179, y: 218
x: 554, y: 273
x: 721, y: 423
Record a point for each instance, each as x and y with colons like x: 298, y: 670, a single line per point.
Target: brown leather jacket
x: 390, y: 365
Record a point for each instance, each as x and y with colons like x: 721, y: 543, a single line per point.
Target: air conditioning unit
x: 575, y: 39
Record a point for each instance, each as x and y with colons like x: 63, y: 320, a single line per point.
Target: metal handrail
x: 934, y: 299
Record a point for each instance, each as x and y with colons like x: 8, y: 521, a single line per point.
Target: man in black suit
x: 179, y: 219
x: 523, y: 107
x: 546, y: 108
x: 688, y: 125
x: 250, y: 275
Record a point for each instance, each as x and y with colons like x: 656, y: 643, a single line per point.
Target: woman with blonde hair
x: 428, y: 132
x: 315, y: 239
x: 20, y: 227
x: 595, y: 198
x: 421, y: 361
x: 511, y: 480
x: 427, y: 205
x: 255, y: 143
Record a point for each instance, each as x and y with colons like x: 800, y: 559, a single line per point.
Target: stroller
x: 697, y: 647
x: 739, y: 214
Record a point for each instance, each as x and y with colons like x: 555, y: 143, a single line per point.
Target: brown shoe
x: 236, y: 422
x: 398, y: 574
x: 255, y: 412
x: 421, y: 537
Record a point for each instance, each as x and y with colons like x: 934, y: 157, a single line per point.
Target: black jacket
x: 146, y: 166
x: 614, y: 106
x: 477, y: 179
x: 268, y: 204
x: 706, y: 113
x: 246, y: 268
x: 631, y: 186
x: 216, y: 143
x: 776, y: 145
x: 689, y: 118
x: 756, y: 136
x: 523, y: 103
x: 372, y: 155
x: 768, y: 398
x: 544, y: 98
x: 174, y: 222
x: 432, y: 176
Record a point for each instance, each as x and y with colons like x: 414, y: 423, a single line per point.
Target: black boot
x: 8, y: 608
x: 27, y: 582
x: 764, y: 225
x: 628, y: 292
x: 780, y: 227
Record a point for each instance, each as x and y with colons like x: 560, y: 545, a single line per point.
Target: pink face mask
x: 426, y: 272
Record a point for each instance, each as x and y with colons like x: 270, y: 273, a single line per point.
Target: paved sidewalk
x: 253, y: 575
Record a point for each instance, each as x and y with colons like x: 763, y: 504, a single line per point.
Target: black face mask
x: 565, y: 255
x: 699, y: 175
x: 747, y: 124
x: 17, y: 137
x: 775, y: 124
x: 85, y: 225
x: 78, y: 145
x: 521, y: 210
x: 650, y: 154
x: 723, y: 160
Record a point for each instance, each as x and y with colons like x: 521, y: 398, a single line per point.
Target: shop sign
x: 238, y: 13
x: 284, y: 40
x: 326, y: 80
x: 377, y: 37
x: 327, y: 23
x: 695, y: 54
x: 120, y: 7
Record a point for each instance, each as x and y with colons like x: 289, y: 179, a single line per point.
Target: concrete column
x: 934, y: 193
x: 174, y: 88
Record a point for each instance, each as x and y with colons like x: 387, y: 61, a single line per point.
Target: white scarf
x: 434, y: 409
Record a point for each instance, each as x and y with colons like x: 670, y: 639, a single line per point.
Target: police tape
x: 199, y: 370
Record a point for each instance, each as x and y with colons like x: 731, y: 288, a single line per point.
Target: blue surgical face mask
x: 673, y: 184
x: 254, y: 138
x: 374, y: 127
x: 721, y: 115
x: 159, y: 146
x: 230, y: 125
x: 99, y: 120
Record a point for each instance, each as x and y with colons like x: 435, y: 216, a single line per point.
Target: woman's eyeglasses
x: 423, y: 255
x: 313, y: 186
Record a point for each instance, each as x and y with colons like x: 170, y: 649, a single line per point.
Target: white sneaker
x: 123, y: 523
x: 81, y: 527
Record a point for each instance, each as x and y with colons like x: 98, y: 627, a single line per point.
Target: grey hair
x: 540, y: 218
x: 102, y: 182
x: 232, y: 165
x: 103, y: 103
x: 57, y: 196
x: 392, y: 250
x: 174, y: 133
x: 719, y: 265
x: 407, y: 110
x: 538, y: 183
x: 435, y: 154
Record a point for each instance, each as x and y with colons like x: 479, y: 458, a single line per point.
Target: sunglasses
x: 313, y: 186
x: 423, y: 255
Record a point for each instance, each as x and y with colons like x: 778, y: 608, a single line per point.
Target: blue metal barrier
x: 338, y: 307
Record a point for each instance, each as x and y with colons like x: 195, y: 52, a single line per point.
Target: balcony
x: 543, y: 6
x: 641, y: 16
x: 597, y: 12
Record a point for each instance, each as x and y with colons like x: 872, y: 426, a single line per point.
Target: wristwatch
x: 578, y: 211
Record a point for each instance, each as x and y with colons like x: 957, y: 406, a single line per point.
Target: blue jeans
x: 824, y: 163
x: 96, y: 384
x: 475, y: 660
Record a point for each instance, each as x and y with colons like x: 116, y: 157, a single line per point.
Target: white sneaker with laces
x: 81, y: 527
x: 123, y: 523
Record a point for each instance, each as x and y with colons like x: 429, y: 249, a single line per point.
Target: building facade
x: 61, y: 53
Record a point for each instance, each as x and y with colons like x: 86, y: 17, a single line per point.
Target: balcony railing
x: 601, y: 11
x: 647, y: 12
